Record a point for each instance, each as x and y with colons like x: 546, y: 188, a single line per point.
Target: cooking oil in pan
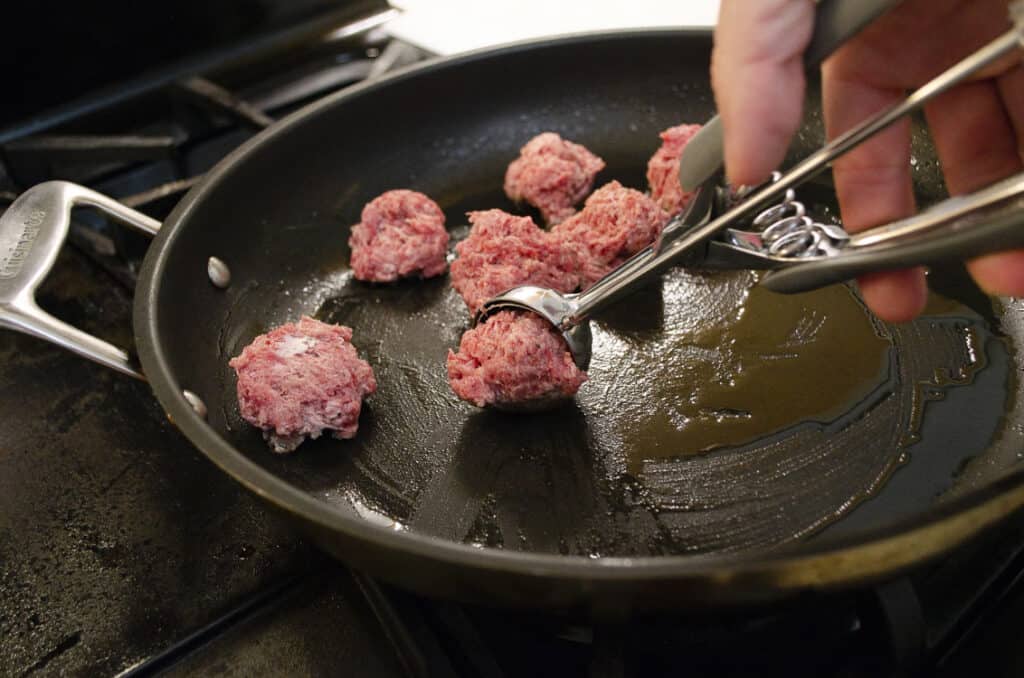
x: 731, y: 363
x: 776, y: 362
x: 718, y: 417
x: 958, y: 385
x: 748, y: 419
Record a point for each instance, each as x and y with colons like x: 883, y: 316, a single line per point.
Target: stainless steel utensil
x: 804, y: 255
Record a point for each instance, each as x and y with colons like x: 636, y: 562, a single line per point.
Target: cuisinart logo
x: 12, y: 261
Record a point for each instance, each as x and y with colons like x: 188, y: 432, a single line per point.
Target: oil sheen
x: 733, y: 362
x: 718, y: 417
x: 779, y: 360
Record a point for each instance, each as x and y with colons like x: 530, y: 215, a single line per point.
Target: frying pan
x: 596, y: 507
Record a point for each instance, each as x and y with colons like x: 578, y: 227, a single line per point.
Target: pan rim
x: 846, y: 559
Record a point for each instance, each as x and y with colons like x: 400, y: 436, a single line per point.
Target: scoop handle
x: 969, y: 237
x: 835, y: 22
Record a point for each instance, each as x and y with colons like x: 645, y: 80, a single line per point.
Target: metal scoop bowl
x: 568, y: 312
x: 961, y: 227
x: 558, y: 309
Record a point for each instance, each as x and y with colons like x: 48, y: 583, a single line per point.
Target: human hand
x: 977, y: 127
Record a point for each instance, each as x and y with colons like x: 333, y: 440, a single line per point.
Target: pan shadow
x: 406, y: 295
x: 316, y: 466
x: 640, y: 317
x: 521, y: 482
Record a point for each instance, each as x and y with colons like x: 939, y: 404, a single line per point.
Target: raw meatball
x: 663, y: 169
x: 300, y: 379
x: 401, y: 234
x: 511, y: 358
x: 504, y: 251
x: 552, y: 174
x: 616, y: 223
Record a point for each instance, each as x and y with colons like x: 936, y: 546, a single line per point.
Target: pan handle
x: 32, y: 231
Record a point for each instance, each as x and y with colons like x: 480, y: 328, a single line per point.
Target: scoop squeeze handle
x: 970, y: 237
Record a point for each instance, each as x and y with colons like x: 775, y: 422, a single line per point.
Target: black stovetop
x: 124, y: 551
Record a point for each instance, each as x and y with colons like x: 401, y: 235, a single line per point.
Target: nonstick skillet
x: 608, y: 505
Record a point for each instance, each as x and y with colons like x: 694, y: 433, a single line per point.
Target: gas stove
x: 123, y: 551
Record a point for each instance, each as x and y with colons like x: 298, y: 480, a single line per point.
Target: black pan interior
x: 607, y: 475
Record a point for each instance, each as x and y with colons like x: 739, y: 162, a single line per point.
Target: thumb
x: 757, y: 73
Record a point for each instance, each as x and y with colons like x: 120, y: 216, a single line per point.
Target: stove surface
x: 116, y: 535
x: 123, y: 551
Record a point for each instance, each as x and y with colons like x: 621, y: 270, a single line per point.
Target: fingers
x: 895, y: 296
x: 1003, y: 273
x: 758, y: 79
x: 918, y: 39
x: 1000, y: 274
x: 1011, y: 91
x: 873, y: 179
x: 974, y: 136
x: 874, y: 186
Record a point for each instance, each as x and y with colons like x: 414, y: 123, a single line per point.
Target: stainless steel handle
x: 32, y: 231
x: 959, y: 228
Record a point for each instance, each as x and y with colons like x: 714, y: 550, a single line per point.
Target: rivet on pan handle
x: 32, y: 231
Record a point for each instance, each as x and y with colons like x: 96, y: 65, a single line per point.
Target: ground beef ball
x: 300, y: 379
x: 552, y: 174
x: 663, y: 169
x: 504, y: 251
x: 401, y: 234
x: 616, y: 223
x: 514, y: 357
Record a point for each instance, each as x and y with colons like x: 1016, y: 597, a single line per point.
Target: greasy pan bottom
x: 608, y: 503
